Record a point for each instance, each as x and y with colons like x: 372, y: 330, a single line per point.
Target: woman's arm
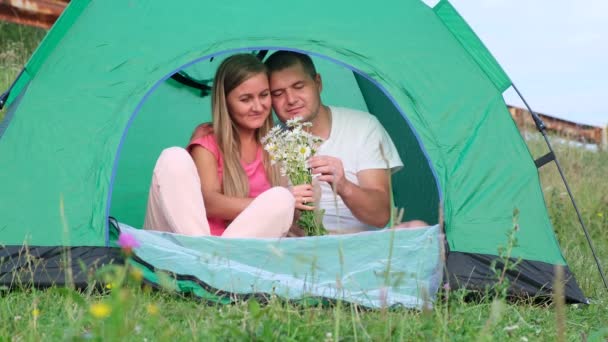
x: 216, y: 203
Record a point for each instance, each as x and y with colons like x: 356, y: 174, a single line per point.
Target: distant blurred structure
x: 570, y: 130
x: 43, y: 13
x: 39, y: 13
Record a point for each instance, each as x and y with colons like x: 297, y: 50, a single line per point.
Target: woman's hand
x: 304, y: 194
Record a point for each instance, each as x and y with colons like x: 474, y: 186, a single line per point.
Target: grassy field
x: 132, y: 313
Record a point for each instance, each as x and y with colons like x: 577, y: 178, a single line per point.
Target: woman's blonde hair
x: 233, y: 71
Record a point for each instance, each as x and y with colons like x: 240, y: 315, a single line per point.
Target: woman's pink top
x: 256, y: 174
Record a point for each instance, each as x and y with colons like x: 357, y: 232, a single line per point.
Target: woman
x: 225, y: 185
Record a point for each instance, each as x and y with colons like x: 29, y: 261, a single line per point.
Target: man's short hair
x: 284, y: 59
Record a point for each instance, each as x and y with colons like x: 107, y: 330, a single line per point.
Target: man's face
x: 295, y: 93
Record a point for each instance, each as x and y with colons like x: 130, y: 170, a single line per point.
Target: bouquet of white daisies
x: 291, y: 146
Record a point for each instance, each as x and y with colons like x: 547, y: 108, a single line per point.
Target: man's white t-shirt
x: 355, y: 139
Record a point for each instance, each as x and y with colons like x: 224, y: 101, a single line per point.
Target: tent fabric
x: 463, y: 33
x: 43, y: 267
x: 470, y: 271
x: 397, y: 267
x: 97, y: 105
x: 430, y: 76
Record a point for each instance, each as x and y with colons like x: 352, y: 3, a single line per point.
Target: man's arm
x: 369, y: 201
x: 202, y: 130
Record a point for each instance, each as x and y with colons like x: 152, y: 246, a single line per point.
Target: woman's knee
x: 281, y: 197
x: 174, y: 155
x: 280, y: 203
x: 175, y: 161
x: 277, y: 206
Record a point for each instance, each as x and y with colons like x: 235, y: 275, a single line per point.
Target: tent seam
x: 442, y: 4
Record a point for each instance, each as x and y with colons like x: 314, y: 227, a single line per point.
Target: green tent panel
x: 96, y: 104
x: 465, y: 36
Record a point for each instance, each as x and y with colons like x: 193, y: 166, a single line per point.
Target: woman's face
x: 249, y: 103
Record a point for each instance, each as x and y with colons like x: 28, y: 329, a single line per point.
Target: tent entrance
x: 168, y: 113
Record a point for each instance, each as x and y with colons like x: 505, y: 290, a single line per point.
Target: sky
x: 554, y: 51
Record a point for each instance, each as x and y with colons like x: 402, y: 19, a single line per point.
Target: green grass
x: 586, y: 174
x: 17, y: 43
x: 137, y: 314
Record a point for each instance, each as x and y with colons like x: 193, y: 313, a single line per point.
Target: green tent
x: 114, y: 82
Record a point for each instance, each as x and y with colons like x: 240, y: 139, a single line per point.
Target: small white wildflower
x: 275, y: 130
x: 270, y: 147
x: 304, y: 152
x: 293, y: 122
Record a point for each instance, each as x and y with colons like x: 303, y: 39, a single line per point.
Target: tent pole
x: 542, y: 129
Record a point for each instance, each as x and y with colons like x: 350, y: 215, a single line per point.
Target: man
x: 352, y: 165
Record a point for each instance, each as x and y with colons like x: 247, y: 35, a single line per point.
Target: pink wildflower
x: 446, y: 287
x: 127, y: 242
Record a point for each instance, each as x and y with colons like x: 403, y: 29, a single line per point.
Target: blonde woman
x: 223, y: 184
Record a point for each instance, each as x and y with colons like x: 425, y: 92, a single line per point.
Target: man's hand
x: 330, y: 170
x: 202, y: 130
x: 369, y: 200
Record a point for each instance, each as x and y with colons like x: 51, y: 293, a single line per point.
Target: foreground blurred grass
x: 61, y: 314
